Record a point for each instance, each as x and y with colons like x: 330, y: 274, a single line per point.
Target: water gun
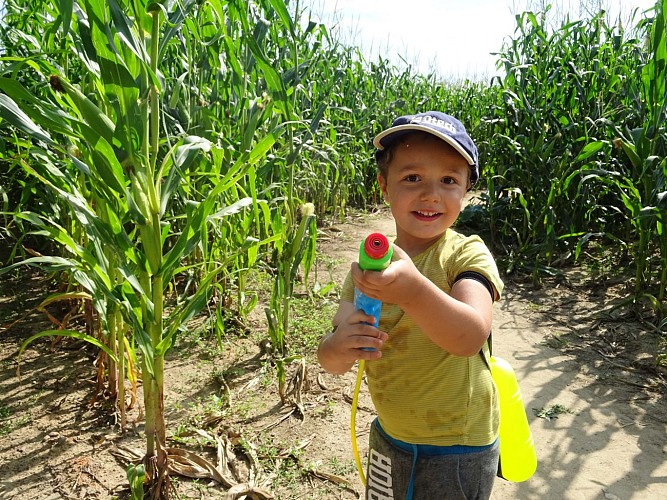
x: 375, y: 253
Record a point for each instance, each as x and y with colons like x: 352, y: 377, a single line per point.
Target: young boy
x: 436, y: 435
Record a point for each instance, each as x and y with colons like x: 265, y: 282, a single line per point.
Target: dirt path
x: 606, y: 438
x: 612, y: 441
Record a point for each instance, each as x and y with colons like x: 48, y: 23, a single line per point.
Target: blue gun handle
x: 370, y: 306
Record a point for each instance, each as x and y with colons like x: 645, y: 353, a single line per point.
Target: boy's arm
x: 341, y: 348
x: 458, y: 322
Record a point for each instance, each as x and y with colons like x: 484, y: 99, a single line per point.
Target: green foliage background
x: 572, y: 136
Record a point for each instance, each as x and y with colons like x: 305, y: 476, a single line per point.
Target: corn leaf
x: 62, y: 333
x: 11, y: 112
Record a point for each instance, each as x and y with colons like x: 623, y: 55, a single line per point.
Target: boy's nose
x: 430, y: 191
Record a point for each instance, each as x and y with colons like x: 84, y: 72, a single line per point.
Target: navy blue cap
x: 441, y: 125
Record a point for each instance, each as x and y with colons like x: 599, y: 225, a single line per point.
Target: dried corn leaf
x: 247, y: 491
x: 126, y: 454
x: 322, y: 383
x: 280, y: 419
x: 255, y: 467
x: 189, y: 464
x: 227, y: 458
x: 329, y: 477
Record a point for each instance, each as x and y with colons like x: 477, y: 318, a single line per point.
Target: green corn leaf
x: 190, y: 236
x: 232, y: 56
x: 116, y: 72
x: 281, y: 9
x: 90, y: 112
x: 107, y: 166
x: 234, y: 208
x: 311, y: 250
x: 192, y: 306
x: 41, y: 111
x: 10, y: 111
x: 66, y: 15
x: 135, y: 212
x: 272, y: 77
x: 145, y: 345
x: 582, y: 241
x: 174, y: 23
x: 58, y: 234
x: 95, y: 38
x: 184, y: 157
x: 97, y: 228
x: 63, y: 333
x: 136, y: 476
x: 300, y: 244
x: 263, y: 146
x: 589, y: 150
x: 123, y: 26
x: 631, y: 151
x: 315, y: 122
x: 47, y: 263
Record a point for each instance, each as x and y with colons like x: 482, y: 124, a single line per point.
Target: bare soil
x: 593, y: 392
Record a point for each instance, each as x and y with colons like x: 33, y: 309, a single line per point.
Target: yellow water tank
x: 518, y: 460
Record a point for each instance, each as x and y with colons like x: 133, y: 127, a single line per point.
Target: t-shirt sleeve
x: 475, y: 256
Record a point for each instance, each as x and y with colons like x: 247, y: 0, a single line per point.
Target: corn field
x: 153, y: 154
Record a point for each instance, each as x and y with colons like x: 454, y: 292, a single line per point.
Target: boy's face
x: 425, y: 185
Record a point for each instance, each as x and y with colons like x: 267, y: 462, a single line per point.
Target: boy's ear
x: 382, y: 181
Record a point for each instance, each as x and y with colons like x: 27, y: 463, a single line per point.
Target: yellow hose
x: 353, y: 418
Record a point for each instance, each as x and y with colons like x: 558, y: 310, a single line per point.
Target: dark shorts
x: 397, y: 474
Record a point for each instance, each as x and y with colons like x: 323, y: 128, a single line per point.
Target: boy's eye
x: 412, y: 178
x: 448, y: 180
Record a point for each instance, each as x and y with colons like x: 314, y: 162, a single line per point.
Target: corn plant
x: 550, y: 127
x: 117, y: 179
x: 646, y: 148
x: 294, y: 251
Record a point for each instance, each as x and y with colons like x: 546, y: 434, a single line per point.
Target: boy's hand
x: 340, y: 349
x: 396, y: 284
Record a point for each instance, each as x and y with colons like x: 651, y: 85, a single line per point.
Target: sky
x: 453, y: 38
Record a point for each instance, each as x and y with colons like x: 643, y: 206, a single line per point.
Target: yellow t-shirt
x: 422, y: 393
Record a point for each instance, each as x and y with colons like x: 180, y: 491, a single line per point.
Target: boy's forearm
x: 454, y: 325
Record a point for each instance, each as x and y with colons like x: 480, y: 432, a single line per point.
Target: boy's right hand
x: 350, y: 341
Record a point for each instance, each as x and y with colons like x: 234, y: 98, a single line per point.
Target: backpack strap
x: 489, y: 341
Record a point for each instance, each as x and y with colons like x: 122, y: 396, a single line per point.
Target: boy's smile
x: 426, y: 215
x: 425, y: 185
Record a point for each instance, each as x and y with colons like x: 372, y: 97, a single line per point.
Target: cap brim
x: 402, y: 129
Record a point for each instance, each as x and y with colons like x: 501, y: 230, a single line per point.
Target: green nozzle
x: 375, y: 252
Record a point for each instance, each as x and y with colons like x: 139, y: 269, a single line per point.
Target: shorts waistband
x: 429, y: 450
